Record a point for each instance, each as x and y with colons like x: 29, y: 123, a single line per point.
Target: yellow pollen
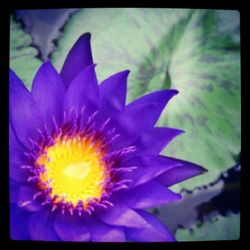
x: 74, y: 169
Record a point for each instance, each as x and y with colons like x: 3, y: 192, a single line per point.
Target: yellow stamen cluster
x: 74, y: 169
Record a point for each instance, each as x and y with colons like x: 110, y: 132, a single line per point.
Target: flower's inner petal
x: 113, y: 93
x: 73, y: 169
x: 83, y: 92
x: 48, y: 91
x: 26, y: 201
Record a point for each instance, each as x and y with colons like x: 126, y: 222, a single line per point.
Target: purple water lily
x: 83, y: 164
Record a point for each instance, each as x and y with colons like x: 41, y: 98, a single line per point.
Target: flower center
x: 74, y: 169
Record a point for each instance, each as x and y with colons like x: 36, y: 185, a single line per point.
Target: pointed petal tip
x: 86, y: 35
x: 201, y: 170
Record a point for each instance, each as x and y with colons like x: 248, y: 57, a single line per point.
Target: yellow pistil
x: 73, y: 169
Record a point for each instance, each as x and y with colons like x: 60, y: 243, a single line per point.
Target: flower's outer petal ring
x: 79, y: 57
x: 41, y: 226
x: 154, y: 232
x: 148, y: 195
x: 48, y: 91
x: 83, y: 92
x: 25, y: 116
x: 71, y: 228
x: 26, y: 201
x: 19, y: 223
x: 148, y: 168
x: 121, y: 215
x: 181, y: 172
x: 101, y: 232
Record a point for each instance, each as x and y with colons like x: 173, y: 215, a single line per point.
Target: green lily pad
x: 218, y: 228
x: 23, y: 58
x: 196, y: 52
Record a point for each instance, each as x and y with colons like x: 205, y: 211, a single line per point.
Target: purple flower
x: 83, y: 164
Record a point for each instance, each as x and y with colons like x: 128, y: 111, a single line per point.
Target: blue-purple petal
x: 25, y: 116
x: 41, y: 226
x: 14, y: 191
x: 113, y: 92
x: 154, y: 232
x: 101, y: 232
x: 26, y: 201
x: 79, y: 57
x: 132, y: 122
x: 83, y: 92
x: 121, y: 215
x: 17, y: 160
x: 13, y: 140
x: 150, y: 194
x: 158, y: 98
x: 154, y: 140
x: 48, y: 91
x: 19, y: 223
x: 71, y: 228
x: 148, y: 168
x: 181, y: 172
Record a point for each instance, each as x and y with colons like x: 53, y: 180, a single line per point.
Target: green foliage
x: 218, y: 228
x: 22, y: 55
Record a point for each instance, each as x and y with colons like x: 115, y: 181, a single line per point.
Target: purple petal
x: 140, y: 115
x: 24, y: 113
x: 120, y: 215
x: 26, y: 201
x: 113, y: 92
x: 148, y: 167
x: 179, y: 173
x: 78, y: 58
x: 41, y: 226
x: 71, y: 228
x: 19, y: 223
x: 154, y: 140
x: 13, y: 140
x: 14, y: 191
x: 158, y: 98
x: 17, y: 173
x: 154, y: 232
x: 48, y: 91
x: 132, y: 122
x: 101, y: 232
x: 150, y: 194
x: 83, y: 91
x: 17, y: 159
